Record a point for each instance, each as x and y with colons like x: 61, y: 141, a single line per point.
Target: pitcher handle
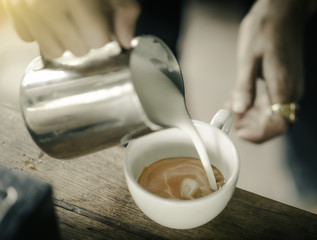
x: 222, y: 120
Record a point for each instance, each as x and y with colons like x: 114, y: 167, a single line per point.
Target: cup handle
x: 222, y: 120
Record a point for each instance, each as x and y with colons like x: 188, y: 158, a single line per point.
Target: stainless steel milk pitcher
x: 74, y: 106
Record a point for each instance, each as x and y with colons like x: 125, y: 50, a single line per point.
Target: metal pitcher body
x: 78, y: 106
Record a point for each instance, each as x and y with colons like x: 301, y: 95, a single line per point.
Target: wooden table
x: 92, y: 200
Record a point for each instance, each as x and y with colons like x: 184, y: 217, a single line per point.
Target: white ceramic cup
x: 184, y: 214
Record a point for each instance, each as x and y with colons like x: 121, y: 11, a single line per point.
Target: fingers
x: 258, y: 125
x: 21, y: 29
x: 124, y: 22
x: 30, y: 26
x: 282, y: 70
x: 61, y: 28
x: 249, y: 62
x: 93, y: 27
x: 50, y: 46
x: 75, y: 25
x: 256, y: 131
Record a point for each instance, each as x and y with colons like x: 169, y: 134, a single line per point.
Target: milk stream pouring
x: 165, y: 106
x: 73, y: 106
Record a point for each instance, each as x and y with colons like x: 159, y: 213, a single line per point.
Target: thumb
x: 125, y: 19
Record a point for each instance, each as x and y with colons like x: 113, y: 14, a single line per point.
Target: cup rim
x: 232, y: 180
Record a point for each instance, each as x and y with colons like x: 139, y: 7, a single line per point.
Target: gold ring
x: 287, y: 110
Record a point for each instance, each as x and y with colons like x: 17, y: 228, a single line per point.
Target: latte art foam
x: 178, y: 178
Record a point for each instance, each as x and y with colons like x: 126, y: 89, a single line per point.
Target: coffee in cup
x: 181, y: 178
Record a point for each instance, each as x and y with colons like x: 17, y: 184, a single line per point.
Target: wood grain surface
x: 92, y: 201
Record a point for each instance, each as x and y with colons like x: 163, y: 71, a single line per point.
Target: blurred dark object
x: 162, y: 19
x: 26, y: 208
x: 301, y: 150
